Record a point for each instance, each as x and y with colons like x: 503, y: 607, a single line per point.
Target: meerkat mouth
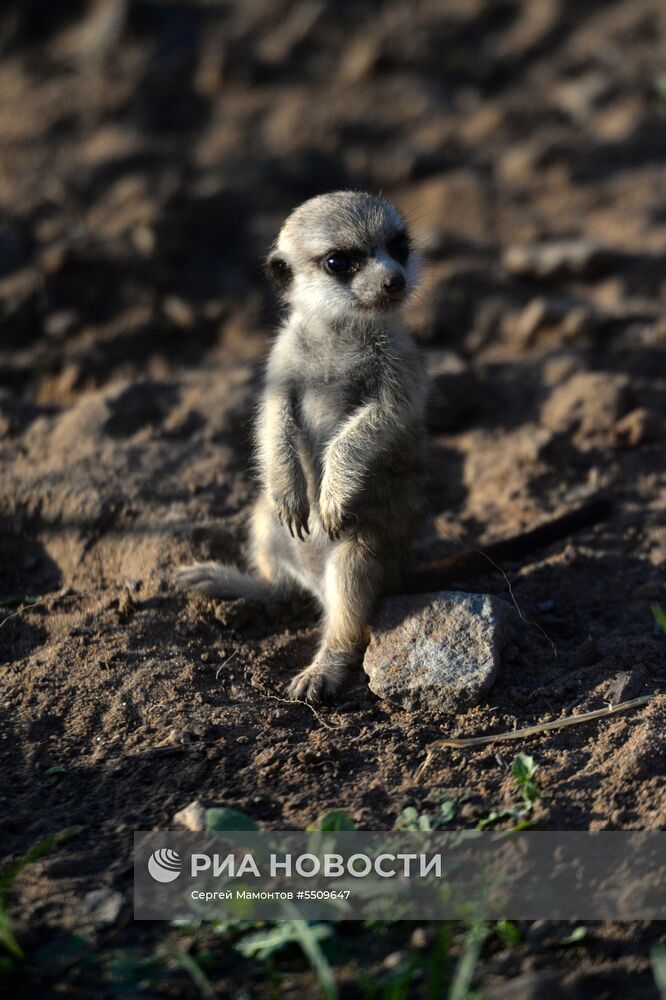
x: 383, y: 305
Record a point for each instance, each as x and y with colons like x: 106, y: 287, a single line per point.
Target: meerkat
x: 340, y: 431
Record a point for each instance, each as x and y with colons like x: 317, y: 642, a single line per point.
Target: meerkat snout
x: 395, y: 286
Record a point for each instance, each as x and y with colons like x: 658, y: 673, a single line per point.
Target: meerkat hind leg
x: 353, y: 578
x: 270, y: 578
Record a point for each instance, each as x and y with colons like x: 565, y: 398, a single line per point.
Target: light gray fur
x: 340, y: 432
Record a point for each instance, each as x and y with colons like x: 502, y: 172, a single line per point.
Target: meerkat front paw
x: 293, y: 512
x: 332, y: 515
x: 323, y: 678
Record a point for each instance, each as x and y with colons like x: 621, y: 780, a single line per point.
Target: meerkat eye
x: 398, y: 247
x: 338, y: 263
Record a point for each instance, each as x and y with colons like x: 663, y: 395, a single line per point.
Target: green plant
x: 227, y: 820
x: 411, y: 819
x: 462, y: 977
x: 660, y: 89
x: 523, y: 770
x: 577, y: 935
x: 659, y: 616
x: 131, y: 973
x: 332, y: 822
x: 265, y: 943
x: 658, y: 960
x: 509, y: 933
x: 272, y: 938
x: 13, y: 952
x: 190, y: 965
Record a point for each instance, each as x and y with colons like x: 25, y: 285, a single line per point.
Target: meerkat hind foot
x: 325, y: 676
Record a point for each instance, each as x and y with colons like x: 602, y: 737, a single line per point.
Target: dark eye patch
x: 398, y: 246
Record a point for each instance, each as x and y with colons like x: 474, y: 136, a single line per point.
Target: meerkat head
x: 344, y: 255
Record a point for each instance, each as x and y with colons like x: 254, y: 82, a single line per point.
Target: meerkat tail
x: 218, y: 580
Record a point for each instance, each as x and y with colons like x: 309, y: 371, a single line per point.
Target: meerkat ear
x: 278, y: 271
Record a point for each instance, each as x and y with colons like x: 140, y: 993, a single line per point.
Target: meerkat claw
x: 310, y: 685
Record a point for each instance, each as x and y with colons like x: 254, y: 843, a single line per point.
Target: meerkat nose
x: 396, y: 283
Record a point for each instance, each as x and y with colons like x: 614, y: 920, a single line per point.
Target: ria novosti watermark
x: 400, y: 875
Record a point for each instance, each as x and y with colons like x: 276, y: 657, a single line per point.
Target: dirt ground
x: 149, y: 152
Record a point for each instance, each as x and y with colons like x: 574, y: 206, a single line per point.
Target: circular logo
x: 164, y: 865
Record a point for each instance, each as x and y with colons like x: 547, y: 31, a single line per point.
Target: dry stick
x: 223, y: 665
x: 26, y: 607
x: 470, y: 562
x: 523, y: 618
x: 297, y: 701
x: 541, y: 727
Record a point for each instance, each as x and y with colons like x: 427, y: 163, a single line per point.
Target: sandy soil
x: 149, y: 153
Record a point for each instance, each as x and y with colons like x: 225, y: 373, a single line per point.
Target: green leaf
x: 227, y: 820
x: 336, y: 819
x: 263, y: 944
x: 7, y: 939
x: 56, y: 769
x: 193, y: 969
x: 658, y: 961
x: 464, y: 972
x: 659, y: 616
x: 525, y: 824
x: 447, y: 811
x: 523, y: 767
x: 510, y: 933
x: 36, y: 852
x: 408, y: 819
x: 309, y: 938
x: 577, y: 934
x: 660, y: 88
x: 493, y: 817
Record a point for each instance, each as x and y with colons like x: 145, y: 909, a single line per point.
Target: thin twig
x: 26, y: 607
x: 223, y: 665
x: 541, y: 727
x: 296, y: 701
x: 500, y: 569
x: 527, y: 621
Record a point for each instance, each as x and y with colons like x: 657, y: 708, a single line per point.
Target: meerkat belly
x: 323, y: 409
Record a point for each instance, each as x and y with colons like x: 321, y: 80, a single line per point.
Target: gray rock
x: 439, y: 651
x: 192, y: 817
x: 102, y: 906
x: 626, y: 684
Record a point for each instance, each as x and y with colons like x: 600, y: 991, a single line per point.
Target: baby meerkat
x: 340, y: 432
